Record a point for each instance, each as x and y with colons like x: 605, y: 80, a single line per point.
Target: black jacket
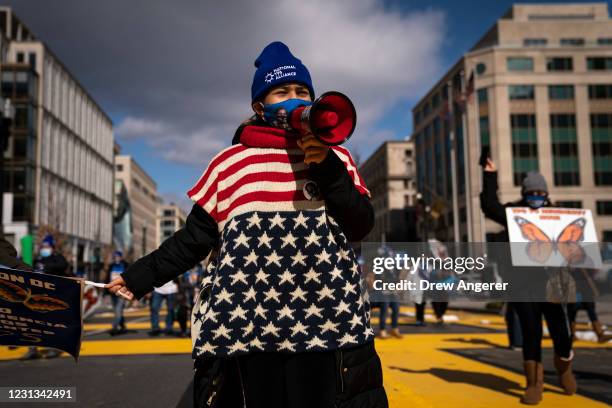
x: 54, y: 264
x: 191, y: 244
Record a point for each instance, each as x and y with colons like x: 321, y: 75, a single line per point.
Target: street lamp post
x: 7, y: 115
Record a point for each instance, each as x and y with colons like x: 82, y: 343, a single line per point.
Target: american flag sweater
x: 285, y: 278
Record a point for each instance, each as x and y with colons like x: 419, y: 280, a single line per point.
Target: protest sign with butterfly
x: 43, y: 310
x: 555, y: 237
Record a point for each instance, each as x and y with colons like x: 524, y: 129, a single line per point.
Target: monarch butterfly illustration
x: 541, y: 246
x: 38, y: 303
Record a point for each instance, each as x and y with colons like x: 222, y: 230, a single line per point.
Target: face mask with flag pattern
x: 278, y: 114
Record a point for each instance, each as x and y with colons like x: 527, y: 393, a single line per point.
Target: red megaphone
x: 331, y: 118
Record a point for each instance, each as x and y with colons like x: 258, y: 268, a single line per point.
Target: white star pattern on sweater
x: 273, y: 258
x: 349, y: 288
x: 260, y: 311
x: 249, y: 294
x: 299, y: 258
x: 264, y: 240
x: 288, y: 239
x: 300, y: 220
x: 328, y: 325
x: 283, y: 281
x: 298, y: 293
x: 321, y: 220
x: 312, y: 275
x: 347, y: 339
x: 272, y: 294
x: 323, y: 256
x: 224, y: 296
x: 313, y: 310
x: 286, y: 312
x: 326, y: 293
x: 251, y: 258
x: 270, y: 328
x: 241, y: 240
x: 315, y: 342
x: 238, y: 312
x: 262, y: 276
x: 254, y: 220
x: 342, y: 307
x: 227, y: 260
x: 312, y: 239
x: 286, y: 345
x: 277, y: 221
x: 239, y: 277
x: 336, y: 274
x: 222, y: 331
x: 287, y: 277
x: 299, y: 328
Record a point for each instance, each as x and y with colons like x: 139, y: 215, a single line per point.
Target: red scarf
x: 265, y: 136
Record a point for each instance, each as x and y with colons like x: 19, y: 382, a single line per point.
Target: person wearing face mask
x: 282, y: 319
x: 534, y: 194
x: 49, y: 260
x: 53, y: 263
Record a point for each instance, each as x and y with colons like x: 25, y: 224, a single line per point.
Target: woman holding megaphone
x: 282, y: 320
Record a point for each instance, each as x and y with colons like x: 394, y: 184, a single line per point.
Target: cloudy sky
x: 175, y: 76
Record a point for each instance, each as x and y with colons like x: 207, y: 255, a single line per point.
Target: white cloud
x: 377, y: 57
x: 181, y: 75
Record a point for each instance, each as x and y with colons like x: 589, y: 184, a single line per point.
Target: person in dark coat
x: 282, y: 320
x: 49, y: 260
x: 534, y: 194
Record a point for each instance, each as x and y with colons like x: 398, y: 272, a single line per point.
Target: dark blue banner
x: 40, y: 310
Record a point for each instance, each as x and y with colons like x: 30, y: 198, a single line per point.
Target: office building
x: 58, y: 168
x: 170, y: 218
x: 537, y: 91
x: 389, y: 175
x: 143, y: 202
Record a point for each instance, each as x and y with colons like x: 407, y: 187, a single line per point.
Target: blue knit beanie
x: 49, y: 240
x: 275, y: 66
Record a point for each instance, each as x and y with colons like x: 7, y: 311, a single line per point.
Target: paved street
x: 463, y: 363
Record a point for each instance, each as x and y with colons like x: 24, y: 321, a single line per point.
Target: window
x: 604, y: 41
x: 599, y: 63
x: 20, y: 57
x: 604, y: 207
x: 519, y: 64
x: 516, y: 92
x: 417, y: 117
x: 560, y: 92
x: 119, y: 167
x: 600, y: 91
x: 481, y: 68
x: 559, y: 64
x: 572, y: 42
x: 439, y: 169
x: 535, y: 42
x: 167, y: 223
x: 601, y: 142
x: 565, y: 150
x: 426, y: 109
x: 568, y: 204
x: 168, y: 213
x: 524, y: 145
x: 435, y: 101
x: 32, y: 59
x: 484, y: 131
x: 483, y: 95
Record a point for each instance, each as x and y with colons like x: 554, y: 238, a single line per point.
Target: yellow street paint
x: 418, y: 372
